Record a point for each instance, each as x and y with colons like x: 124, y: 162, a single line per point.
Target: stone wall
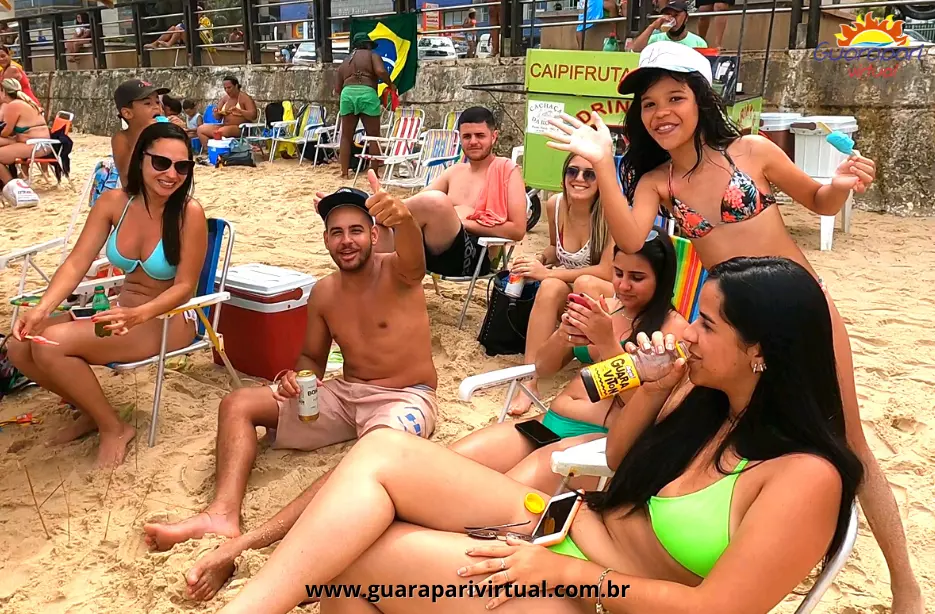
x: 896, y: 114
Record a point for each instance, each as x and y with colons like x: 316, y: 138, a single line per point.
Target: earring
x: 759, y: 367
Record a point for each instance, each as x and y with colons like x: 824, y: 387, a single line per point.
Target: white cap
x: 666, y: 55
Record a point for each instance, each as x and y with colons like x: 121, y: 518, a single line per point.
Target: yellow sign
x: 868, y: 32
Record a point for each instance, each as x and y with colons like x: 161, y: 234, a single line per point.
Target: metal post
x: 732, y: 95
x: 632, y: 19
x: 795, y: 18
x: 192, y: 36
x: 769, y: 41
x: 814, y: 23
x: 97, y: 38
x: 584, y: 22
x: 322, y: 27
x: 58, y: 42
x: 141, y: 51
x: 160, y: 374
x: 251, y: 18
x: 503, y: 33
x: 516, y: 29
x: 24, y: 53
x: 645, y: 7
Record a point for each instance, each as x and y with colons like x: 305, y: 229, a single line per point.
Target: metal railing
x: 254, y: 31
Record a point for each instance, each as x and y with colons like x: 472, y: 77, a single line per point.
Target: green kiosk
x: 579, y: 82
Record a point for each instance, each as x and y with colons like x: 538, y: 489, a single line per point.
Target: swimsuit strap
x: 124, y: 214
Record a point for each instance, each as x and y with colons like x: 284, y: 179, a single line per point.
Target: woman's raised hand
x: 855, y: 173
x: 591, y: 141
x: 668, y: 376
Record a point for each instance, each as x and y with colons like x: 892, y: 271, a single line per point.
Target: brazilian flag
x: 395, y: 39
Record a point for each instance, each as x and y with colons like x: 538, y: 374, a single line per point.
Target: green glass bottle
x: 100, y: 303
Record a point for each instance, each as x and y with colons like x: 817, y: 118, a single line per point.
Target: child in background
x: 138, y: 106
x: 192, y: 117
x: 172, y: 107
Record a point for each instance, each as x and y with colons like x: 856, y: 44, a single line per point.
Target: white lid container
x: 776, y: 122
x: 813, y: 154
x: 267, y: 281
x: 219, y: 143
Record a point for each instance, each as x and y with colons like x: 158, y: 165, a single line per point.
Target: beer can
x: 308, y: 398
x: 514, y: 285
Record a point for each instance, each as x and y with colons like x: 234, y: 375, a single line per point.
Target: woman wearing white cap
x: 687, y: 157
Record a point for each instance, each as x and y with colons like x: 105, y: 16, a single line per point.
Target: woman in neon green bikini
x: 157, y: 235
x: 762, y: 397
x: 643, y: 285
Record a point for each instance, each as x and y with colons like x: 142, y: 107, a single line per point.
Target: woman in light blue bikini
x: 676, y: 524
x: 157, y: 234
x: 643, y: 285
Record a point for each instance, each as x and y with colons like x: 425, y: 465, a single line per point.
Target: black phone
x: 80, y: 313
x: 537, y: 433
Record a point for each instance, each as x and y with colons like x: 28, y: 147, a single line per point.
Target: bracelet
x: 599, y: 607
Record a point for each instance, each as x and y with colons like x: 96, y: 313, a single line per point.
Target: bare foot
x: 162, y: 536
x: 113, y: 447
x: 79, y: 428
x: 211, y: 571
x: 521, y: 401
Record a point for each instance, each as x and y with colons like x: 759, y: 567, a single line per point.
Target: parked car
x: 483, y: 46
x: 305, y: 54
x: 437, y: 48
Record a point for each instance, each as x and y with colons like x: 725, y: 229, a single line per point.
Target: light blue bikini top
x: 156, y: 266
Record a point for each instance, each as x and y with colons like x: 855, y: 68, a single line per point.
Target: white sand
x: 881, y: 276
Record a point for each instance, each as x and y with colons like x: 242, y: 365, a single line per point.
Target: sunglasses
x: 162, y: 163
x: 572, y: 172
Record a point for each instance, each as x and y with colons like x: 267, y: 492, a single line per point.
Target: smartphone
x: 536, y: 432
x: 577, y: 298
x: 81, y: 313
x: 556, y: 519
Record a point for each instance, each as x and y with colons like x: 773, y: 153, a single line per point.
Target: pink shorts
x: 347, y: 411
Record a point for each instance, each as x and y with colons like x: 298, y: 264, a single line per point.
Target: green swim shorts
x: 360, y: 100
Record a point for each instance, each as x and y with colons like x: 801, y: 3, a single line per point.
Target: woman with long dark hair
x: 157, y: 235
x: 579, y: 246
x: 749, y: 453
x: 687, y: 157
x: 642, y: 285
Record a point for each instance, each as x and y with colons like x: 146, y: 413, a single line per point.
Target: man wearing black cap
x: 374, y: 308
x: 137, y: 104
x: 671, y: 26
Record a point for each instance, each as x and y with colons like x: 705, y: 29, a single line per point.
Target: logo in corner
x: 868, y: 32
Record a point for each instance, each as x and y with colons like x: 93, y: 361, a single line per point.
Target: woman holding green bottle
x: 157, y: 234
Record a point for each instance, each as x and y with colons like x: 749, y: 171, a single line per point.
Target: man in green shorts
x: 358, y: 77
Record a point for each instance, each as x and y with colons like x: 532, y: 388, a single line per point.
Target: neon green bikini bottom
x: 569, y: 427
x: 567, y: 547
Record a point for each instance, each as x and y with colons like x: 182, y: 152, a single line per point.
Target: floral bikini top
x: 742, y: 200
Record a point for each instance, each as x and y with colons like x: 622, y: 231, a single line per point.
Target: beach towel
x: 492, y: 205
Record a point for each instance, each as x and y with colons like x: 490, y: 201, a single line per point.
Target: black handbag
x: 240, y: 154
x: 504, y: 328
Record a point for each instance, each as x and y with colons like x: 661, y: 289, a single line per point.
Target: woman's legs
x: 65, y: 369
x: 498, y: 446
x: 594, y: 287
x: 206, y: 132
x: 535, y: 470
x: 407, y: 555
x: 386, y: 475
x: 348, y: 126
x: 876, y: 497
x: 546, y: 310
x: 372, y: 128
x: 8, y: 155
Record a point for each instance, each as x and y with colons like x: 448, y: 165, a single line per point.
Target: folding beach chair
x: 401, y: 141
x: 48, y: 151
x: 451, y: 120
x: 304, y: 129
x: 438, y: 150
x: 206, y: 305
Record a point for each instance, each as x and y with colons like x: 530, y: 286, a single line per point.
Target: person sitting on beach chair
x: 485, y: 197
x: 730, y: 486
x: 157, y: 235
x: 138, y: 105
x: 374, y: 307
x: 643, y: 285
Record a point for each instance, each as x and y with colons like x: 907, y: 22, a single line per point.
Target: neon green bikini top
x: 695, y: 528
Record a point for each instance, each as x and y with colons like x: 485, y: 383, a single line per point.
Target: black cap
x: 130, y: 91
x: 680, y: 6
x: 344, y: 197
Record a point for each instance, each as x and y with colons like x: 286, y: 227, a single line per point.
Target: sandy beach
x: 881, y: 276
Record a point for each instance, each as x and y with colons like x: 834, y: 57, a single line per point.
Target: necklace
x: 618, y: 310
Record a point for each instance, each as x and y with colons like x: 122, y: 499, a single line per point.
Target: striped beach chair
x: 401, y: 142
x: 689, y: 277
x: 439, y: 149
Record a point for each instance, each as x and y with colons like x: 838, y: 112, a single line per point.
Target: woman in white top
x: 579, y: 245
